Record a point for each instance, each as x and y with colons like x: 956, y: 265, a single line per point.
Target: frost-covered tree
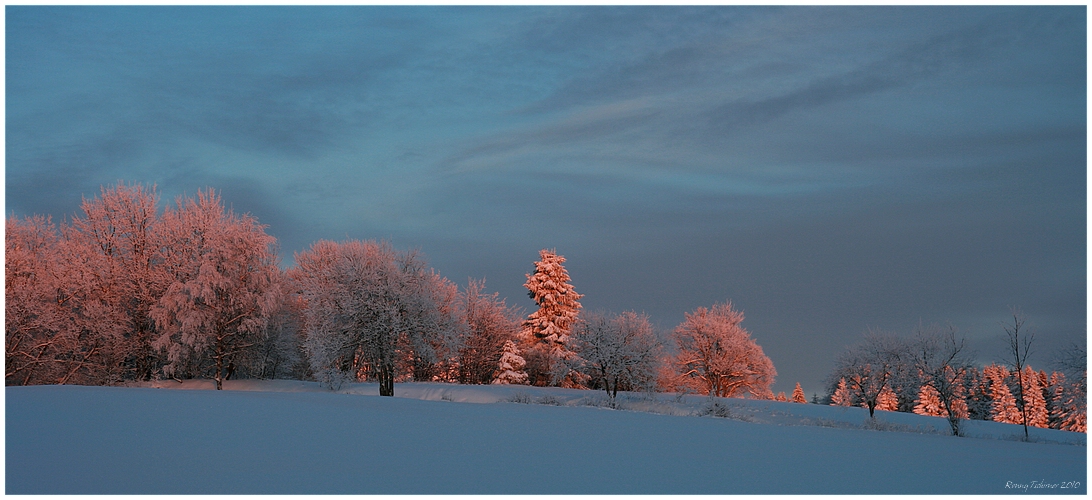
x: 841, y: 396
x: 781, y: 397
x: 221, y: 295
x: 489, y: 325
x: 798, y: 395
x: 872, y: 366
x: 278, y: 351
x: 1036, y: 409
x: 434, y: 326
x: 60, y: 328
x: 880, y: 361
x: 1070, y: 406
x: 1070, y: 396
x: 545, y: 333
x: 887, y: 400
x: 977, y: 389
x: 942, y: 365
x: 718, y: 357
x: 1004, y: 407
x: 1020, y: 339
x: 929, y: 403
x: 510, y: 366
x: 368, y: 307
x: 121, y: 252
x: 619, y: 352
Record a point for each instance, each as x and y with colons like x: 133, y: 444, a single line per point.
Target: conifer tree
x: 1033, y: 399
x: 545, y: 333
x: 929, y: 403
x: 798, y: 395
x: 510, y: 367
x: 978, y: 395
x: 841, y: 395
x: 1056, y: 403
x: 781, y: 396
x: 1004, y: 404
x: 887, y: 400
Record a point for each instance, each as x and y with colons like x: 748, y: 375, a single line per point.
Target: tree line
x: 125, y: 292
x: 932, y: 374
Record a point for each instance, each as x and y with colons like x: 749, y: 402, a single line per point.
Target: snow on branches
x: 545, y: 333
x: 223, y: 284
x: 718, y: 357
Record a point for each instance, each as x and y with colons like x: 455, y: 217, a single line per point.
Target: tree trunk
x: 219, y: 376
x: 386, y: 378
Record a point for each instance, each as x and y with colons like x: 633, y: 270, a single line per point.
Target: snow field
x: 290, y: 437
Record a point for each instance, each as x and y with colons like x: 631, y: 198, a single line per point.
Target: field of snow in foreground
x: 268, y: 437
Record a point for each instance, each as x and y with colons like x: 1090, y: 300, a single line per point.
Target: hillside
x: 265, y: 437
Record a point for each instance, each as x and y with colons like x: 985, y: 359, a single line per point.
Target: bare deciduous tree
x: 873, y: 366
x: 942, y: 364
x: 1020, y: 339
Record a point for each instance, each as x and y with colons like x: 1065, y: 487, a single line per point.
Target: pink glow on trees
x: 1036, y: 409
x: 718, y: 357
x: 841, y: 395
x: 942, y: 365
x: 880, y: 362
x: 222, y: 289
x: 120, y: 247
x: 929, y: 403
x: 1004, y: 404
x: 490, y: 326
x: 887, y: 400
x: 798, y: 394
x: 58, y: 328
x: 545, y: 333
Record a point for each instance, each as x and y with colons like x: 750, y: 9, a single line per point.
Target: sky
x: 829, y: 170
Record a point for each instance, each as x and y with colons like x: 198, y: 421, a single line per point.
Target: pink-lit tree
x: 887, y: 400
x: 490, y: 325
x: 545, y: 333
x: 222, y: 290
x: 882, y: 361
x: 718, y: 357
x: 942, y: 365
x: 118, y: 243
x: 798, y: 394
x: 841, y: 395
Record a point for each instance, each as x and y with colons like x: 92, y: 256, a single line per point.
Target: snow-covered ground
x: 265, y: 437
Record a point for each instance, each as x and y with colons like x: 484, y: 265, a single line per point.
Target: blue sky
x: 827, y: 169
